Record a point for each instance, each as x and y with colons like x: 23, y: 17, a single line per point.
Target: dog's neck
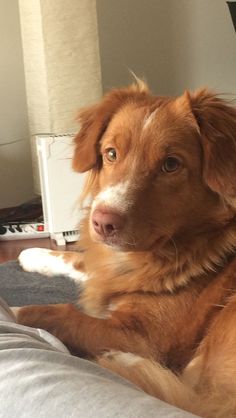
x: 196, y: 256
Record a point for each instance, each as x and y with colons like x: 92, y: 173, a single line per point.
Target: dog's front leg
x: 82, y: 333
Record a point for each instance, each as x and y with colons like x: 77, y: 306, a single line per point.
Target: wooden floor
x: 9, y: 250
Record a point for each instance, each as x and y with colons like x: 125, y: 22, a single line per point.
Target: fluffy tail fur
x: 161, y: 383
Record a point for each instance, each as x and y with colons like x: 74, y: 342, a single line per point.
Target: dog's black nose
x: 106, y: 222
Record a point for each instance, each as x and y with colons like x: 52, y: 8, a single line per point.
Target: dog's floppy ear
x: 217, y: 125
x: 95, y: 119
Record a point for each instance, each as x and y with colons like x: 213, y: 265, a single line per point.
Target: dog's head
x: 161, y: 167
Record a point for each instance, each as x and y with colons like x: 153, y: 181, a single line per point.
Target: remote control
x: 23, y: 231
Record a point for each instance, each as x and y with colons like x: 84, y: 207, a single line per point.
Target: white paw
x: 37, y: 260
x: 125, y: 359
x: 49, y: 263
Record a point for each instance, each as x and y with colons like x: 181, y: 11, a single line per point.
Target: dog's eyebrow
x: 122, y: 141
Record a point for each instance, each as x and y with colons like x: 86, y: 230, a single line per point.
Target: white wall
x: 175, y: 44
x: 15, y: 164
x: 204, y: 46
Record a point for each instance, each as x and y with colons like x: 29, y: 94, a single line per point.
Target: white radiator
x: 60, y: 187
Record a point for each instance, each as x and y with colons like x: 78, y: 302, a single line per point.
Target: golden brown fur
x: 163, y: 287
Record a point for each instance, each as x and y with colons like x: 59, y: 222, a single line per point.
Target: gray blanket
x: 19, y: 288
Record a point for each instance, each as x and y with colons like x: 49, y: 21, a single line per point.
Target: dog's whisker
x: 130, y: 243
x: 177, y: 264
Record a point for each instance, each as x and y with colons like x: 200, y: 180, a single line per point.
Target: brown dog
x: 158, y: 266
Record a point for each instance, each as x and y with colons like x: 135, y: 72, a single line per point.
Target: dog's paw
x: 36, y: 316
x: 124, y: 364
x: 17, y: 313
x: 38, y: 260
x: 120, y: 357
x: 15, y: 310
x: 50, y: 263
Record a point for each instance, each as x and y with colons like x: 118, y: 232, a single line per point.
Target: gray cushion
x: 39, y: 378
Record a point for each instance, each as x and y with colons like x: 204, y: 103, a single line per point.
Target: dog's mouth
x: 125, y: 239
x: 113, y: 239
x: 113, y: 229
x: 115, y: 242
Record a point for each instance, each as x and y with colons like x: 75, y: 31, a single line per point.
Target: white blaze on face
x: 116, y: 197
x: 149, y: 119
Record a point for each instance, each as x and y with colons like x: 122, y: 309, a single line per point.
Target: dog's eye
x: 110, y: 154
x: 170, y: 165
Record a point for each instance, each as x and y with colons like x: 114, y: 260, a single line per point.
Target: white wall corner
x: 62, y: 61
